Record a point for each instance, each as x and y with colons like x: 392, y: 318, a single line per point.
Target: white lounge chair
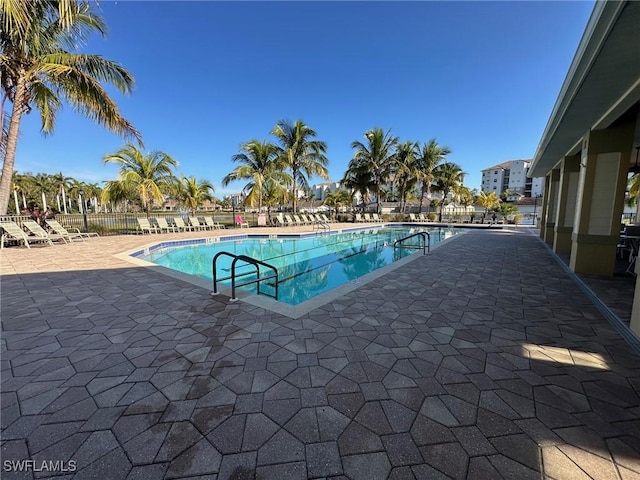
x: 145, y: 226
x: 163, y: 225
x: 195, y: 223
x: 55, y: 227
x: 211, y: 223
x: 181, y: 225
x: 11, y: 231
x: 40, y: 232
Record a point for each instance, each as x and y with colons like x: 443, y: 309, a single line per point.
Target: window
x: 495, y: 180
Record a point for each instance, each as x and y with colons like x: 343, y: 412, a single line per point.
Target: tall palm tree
x: 300, y: 153
x: 448, y: 177
x: 376, y: 157
x: 260, y: 163
x: 37, y: 70
x: 192, y: 193
x: 149, y: 176
x: 62, y: 184
x: 428, y: 158
x: 406, y: 169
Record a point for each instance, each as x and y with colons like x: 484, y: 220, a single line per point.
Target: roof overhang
x: 603, y: 82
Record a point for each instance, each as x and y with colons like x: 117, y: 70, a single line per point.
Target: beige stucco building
x: 591, y: 141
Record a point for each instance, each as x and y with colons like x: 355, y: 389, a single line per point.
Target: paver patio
x: 480, y: 360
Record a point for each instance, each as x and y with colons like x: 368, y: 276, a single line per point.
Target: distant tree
x: 338, y: 199
x: 301, y: 153
x: 260, y: 163
x: 374, y: 158
x: 360, y: 181
x: 448, y: 177
x: 149, y: 176
x: 429, y: 157
x: 192, y: 193
x: 406, y: 169
x: 37, y: 70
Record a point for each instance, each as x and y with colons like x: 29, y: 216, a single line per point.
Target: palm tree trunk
x: 294, y: 172
x: 12, y: 142
x: 64, y: 201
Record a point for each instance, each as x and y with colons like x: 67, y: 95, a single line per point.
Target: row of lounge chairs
x: 419, y: 217
x: 160, y: 224
x: 368, y: 218
x: 301, y: 219
x: 12, y: 232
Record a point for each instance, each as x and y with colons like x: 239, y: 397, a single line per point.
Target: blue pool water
x: 307, y: 266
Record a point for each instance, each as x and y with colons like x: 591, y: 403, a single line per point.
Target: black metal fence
x: 126, y: 223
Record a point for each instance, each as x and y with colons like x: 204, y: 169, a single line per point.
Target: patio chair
x: 145, y: 226
x: 13, y: 232
x: 413, y: 218
x: 212, y: 224
x: 299, y: 220
x: 195, y: 223
x: 37, y: 231
x: 289, y: 221
x: 55, y: 227
x: 182, y: 227
x: 376, y: 218
x: 359, y: 218
x: 325, y: 219
x: 163, y: 225
x: 278, y: 221
x: 367, y: 217
x: 240, y: 221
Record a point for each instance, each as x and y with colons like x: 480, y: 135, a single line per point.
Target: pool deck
x: 483, y: 359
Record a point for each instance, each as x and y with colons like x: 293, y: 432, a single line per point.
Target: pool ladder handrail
x: 426, y: 242
x: 325, y: 227
x: 233, y: 276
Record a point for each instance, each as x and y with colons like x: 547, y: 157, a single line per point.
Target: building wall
x: 513, y: 176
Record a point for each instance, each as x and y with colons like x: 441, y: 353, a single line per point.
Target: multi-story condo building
x: 512, y: 176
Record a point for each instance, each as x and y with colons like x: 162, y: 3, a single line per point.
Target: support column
x: 551, y: 201
x: 604, y: 167
x: 543, y: 208
x: 568, y: 192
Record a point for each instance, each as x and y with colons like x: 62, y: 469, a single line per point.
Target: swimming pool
x: 307, y: 265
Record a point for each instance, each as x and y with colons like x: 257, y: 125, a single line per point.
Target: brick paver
x: 480, y: 360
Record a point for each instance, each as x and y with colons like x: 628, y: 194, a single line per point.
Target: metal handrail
x: 426, y: 242
x: 233, y: 276
x: 323, y: 225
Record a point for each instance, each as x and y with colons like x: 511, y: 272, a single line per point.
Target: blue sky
x: 480, y: 77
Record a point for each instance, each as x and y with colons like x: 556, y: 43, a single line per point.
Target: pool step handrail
x: 321, y: 225
x: 426, y: 242
x: 247, y: 260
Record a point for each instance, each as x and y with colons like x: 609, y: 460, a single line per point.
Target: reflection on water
x: 306, y: 266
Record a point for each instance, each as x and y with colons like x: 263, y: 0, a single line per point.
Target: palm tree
x: 406, y: 170
x: 261, y: 164
x: 149, y: 176
x: 487, y: 201
x: 304, y: 156
x: 337, y: 199
x: 448, y: 177
x: 375, y: 159
x: 358, y: 181
x: 428, y: 158
x: 192, y: 193
x: 274, y: 193
x: 36, y: 70
x: 62, y: 184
